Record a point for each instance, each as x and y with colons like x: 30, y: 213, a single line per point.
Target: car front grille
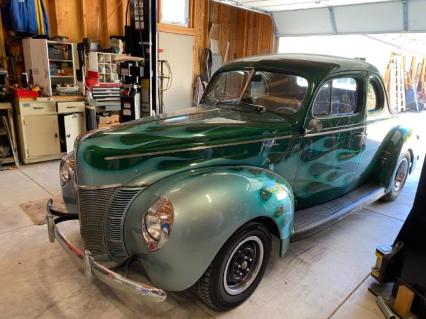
x: 102, y: 213
x: 114, y: 221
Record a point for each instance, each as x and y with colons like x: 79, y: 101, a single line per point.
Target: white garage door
x: 317, y: 17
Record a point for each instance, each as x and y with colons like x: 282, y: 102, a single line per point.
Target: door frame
x: 351, y: 122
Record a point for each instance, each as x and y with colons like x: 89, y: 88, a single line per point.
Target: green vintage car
x: 282, y: 145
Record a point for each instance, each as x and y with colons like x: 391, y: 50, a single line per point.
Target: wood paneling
x: 68, y: 19
x: 77, y: 19
x: 242, y: 33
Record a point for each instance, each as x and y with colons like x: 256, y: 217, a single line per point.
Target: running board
x: 314, y: 219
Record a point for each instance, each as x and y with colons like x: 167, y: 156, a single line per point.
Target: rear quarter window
x: 375, y: 97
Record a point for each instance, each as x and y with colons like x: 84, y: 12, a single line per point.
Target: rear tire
x: 399, y: 177
x: 237, y: 269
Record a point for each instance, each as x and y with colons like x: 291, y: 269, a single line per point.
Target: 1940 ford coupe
x: 282, y: 145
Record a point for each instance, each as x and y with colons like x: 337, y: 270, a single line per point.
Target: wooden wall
x: 78, y: 19
x: 245, y: 32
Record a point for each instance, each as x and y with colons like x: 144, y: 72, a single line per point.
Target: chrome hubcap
x: 243, y: 265
x: 400, y: 175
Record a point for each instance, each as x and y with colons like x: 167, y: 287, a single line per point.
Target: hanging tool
x: 166, y: 78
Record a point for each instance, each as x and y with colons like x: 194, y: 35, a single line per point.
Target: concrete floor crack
x: 35, y: 182
x: 385, y: 215
x: 348, y: 296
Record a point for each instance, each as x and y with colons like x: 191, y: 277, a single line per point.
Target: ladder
x: 396, y: 85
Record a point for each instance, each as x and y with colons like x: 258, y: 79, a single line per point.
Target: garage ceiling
x: 327, y: 17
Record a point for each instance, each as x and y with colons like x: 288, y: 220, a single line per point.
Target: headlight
x: 65, y: 168
x: 157, y: 223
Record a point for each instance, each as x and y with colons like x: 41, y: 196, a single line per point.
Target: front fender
x: 210, y: 204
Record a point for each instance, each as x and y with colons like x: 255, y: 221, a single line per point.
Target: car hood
x: 117, y: 154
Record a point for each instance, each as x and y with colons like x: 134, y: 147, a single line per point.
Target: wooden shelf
x: 62, y: 76
x: 58, y: 60
x: 7, y: 160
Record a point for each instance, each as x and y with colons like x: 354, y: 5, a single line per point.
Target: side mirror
x: 314, y: 126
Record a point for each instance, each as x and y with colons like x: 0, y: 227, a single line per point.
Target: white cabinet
x: 74, y: 126
x: 47, y: 130
x: 42, y: 134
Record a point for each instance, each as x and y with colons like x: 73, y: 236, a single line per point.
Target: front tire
x: 399, y: 177
x: 237, y: 269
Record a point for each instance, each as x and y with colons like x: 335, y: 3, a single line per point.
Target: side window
x: 375, y: 97
x: 337, y: 97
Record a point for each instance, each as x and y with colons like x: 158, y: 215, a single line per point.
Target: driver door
x: 333, y: 140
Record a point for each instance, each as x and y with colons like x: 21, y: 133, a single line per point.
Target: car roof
x: 311, y: 66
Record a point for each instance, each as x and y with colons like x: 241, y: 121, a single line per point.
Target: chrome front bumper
x: 91, y: 267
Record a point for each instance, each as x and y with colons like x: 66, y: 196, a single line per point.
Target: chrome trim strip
x: 95, y: 187
x: 92, y: 269
x: 335, y: 131
x: 196, y: 148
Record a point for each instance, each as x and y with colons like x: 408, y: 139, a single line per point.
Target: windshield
x: 272, y: 91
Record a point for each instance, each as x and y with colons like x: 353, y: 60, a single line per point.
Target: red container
x: 92, y: 75
x: 91, y: 82
x: 25, y: 93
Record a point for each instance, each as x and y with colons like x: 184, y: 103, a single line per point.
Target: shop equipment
x: 141, y: 39
x: 403, y: 263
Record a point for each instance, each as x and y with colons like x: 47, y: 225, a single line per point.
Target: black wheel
x: 237, y: 269
x: 399, y: 178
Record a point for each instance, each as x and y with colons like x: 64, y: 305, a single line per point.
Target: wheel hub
x: 400, y: 175
x: 243, y: 265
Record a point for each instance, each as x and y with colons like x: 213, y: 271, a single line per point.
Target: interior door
x: 334, y: 138
x: 178, y: 50
x: 42, y: 135
x: 74, y: 126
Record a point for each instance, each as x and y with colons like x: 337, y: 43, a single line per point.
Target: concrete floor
x: 324, y: 276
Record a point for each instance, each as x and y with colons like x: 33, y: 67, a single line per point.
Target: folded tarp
x: 26, y: 16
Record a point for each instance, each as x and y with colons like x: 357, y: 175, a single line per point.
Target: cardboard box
x: 107, y: 121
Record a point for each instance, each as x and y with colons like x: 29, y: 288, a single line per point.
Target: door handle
x: 359, y: 139
x: 357, y: 134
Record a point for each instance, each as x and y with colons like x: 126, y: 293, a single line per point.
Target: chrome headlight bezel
x: 157, y: 223
x: 66, y: 168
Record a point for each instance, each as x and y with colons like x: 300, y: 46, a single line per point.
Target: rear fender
x: 397, y: 142
x: 210, y: 205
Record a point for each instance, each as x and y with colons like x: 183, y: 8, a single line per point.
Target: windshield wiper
x: 226, y: 101
x: 255, y: 107
x: 262, y: 109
